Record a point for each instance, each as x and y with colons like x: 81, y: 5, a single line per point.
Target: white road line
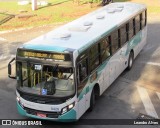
x: 158, y: 94
x: 2, y: 39
x: 2, y: 57
x: 151, y: 63
x: 147, y: 102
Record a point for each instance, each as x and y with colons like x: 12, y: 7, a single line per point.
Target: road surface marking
x: 151, y: 63
x: 2, y: 39
x: 156, y: 52
x: 2, y: 57
x: 158, y: 94
x: 147, y: 102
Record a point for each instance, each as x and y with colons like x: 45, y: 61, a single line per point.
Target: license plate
x: 41, y: 115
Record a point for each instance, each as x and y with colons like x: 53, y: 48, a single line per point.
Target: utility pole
x: 34, y: 5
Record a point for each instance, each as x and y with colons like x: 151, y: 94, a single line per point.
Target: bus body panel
x: 67, y: 117
x: 37, y: 107
x: 82, y: 106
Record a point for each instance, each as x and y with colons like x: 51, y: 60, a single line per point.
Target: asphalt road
x: 134, y: 92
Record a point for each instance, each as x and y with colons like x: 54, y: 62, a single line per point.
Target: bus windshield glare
x: 41, y: 79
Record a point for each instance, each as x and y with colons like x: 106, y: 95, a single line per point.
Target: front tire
x: 130, y: 60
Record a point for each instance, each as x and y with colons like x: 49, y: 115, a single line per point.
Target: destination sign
x: 55, y: 56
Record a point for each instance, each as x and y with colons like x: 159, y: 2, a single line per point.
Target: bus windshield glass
x: 45, y: 79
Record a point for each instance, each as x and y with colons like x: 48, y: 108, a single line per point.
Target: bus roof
x: 81, y: 33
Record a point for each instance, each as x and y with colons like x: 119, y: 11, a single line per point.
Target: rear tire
x: 130, y: 60
x: 92, y: 101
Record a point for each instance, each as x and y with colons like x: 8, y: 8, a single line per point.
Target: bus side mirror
x: 10, y: 69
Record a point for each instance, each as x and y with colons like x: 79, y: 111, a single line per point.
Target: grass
x: 57, y: 11
x: 154, y: 9
x: 13, y: 7
x: 3, y: 16
x: 54, y: 13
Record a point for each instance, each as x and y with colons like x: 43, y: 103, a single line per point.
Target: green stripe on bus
x: 90, y: 85
x: 69, y: 116
x: 20, y: 110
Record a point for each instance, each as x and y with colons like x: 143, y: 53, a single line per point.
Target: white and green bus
x: 60, y: 74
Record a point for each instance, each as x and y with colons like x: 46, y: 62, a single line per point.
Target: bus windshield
x: 45, y: 79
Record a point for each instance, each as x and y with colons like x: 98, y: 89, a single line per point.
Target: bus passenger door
x: 82, y: 90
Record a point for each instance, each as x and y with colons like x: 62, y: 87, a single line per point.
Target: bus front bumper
x: 69, y: 116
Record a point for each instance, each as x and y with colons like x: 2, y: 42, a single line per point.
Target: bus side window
x: 105, y: 49
x: 131, y: 29
x: 114, y: 41
x: 143, y: 19
x: 137, y: 23
x: 83, y: 70
x: 94, y: 57
x: 123, y: 34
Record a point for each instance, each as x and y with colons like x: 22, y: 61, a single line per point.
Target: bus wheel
x: 92, y: 100
x: 130, y: 60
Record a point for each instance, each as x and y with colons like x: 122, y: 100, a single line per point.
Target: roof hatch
x: 79, y: 28
x: 88, y: 23
x: 117, y: 8
x: 100, y: 16
x: 62, y: 36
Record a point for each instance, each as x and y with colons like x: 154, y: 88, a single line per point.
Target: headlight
x: 64, y: 110
x: 67, y: 108
x: 70, y: 106
x: 18, y: 99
